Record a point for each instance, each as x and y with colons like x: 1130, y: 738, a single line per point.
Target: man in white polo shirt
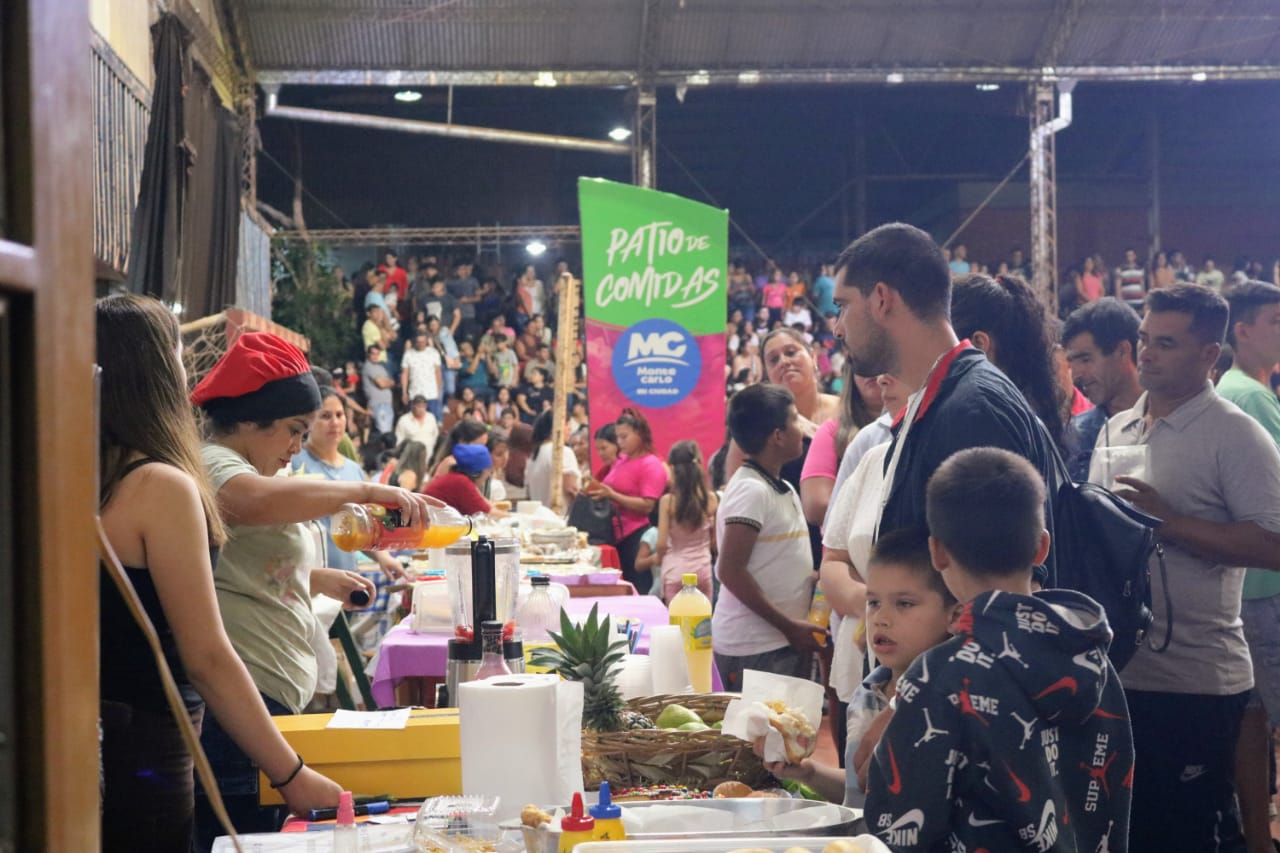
x: 1214, y: 480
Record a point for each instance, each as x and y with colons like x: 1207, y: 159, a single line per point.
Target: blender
x: 484, y: 579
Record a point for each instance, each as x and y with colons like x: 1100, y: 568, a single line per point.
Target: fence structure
x: 121, y: 110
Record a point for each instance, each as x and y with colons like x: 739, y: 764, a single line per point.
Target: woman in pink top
x: 775, y: 297
x: 860, y: 404
x: 686, y: 519
x: 634, y: 484
x: 1091, y: 281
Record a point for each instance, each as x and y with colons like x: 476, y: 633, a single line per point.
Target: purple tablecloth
x: 408, y: 655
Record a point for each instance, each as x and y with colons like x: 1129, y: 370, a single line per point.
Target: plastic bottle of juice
x: 367, y: 527
x: 691, y: 610
x: 819, y: 613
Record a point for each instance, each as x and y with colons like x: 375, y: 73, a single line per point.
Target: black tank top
x: 128, y: 672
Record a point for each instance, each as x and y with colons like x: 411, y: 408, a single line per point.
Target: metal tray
x: 777, y: 844
x: 725, y: 819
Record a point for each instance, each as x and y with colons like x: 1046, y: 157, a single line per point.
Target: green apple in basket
x: 590, y: 654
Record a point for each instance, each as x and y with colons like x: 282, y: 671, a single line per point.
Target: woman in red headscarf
x: 259, y: 401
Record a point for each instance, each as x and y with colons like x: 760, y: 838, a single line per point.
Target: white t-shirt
x: 851, y: 526
x: 537, y: 474
x: 781, y: 562
x: 422, y: 366
x: 409, y: 428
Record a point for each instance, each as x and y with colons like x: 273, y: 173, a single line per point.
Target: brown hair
x: 630, y: 417
x: 144, y: 398
x: 690, y: 489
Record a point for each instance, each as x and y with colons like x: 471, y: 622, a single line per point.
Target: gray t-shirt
x: 369, y: 372
x: 1211, y: 461
x: 461, y: 287
x: 263, y: 582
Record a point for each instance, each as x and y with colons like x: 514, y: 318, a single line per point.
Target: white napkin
x: 747, y: 718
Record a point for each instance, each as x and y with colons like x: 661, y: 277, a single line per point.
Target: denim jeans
x: 237, y: 781
x: 383, y: 416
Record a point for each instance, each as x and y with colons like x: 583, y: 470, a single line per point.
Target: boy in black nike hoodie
x: 1013, y: 734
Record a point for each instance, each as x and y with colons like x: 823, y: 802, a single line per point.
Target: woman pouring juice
x: 259, y: 401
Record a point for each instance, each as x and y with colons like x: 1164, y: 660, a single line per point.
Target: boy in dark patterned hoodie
x: 1013, y: 734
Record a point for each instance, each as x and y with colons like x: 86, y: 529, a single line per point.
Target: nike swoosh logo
x: 1065, y: 683
x: 973, y: 821
x: 894, y: 786
x: 1107, y: 715
x: 1024, y: 793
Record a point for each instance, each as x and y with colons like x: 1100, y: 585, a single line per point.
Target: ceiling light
x: 748, y: 78
x: 535, y: 247
x: 619, y: 134
x: 701, y: 77
x: 1199, y: 77
x: 545, y: 78
x: 408, y: 96
x: 893, y: 78
x: 988, y: 87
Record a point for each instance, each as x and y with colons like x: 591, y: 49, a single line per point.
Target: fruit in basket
x: 634, y: 720
x: 676, y: 716
x: 693, y: 726
x: 589, y: 654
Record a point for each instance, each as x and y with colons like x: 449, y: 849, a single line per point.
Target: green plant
x: 589, y: 654
x: 309, y: 298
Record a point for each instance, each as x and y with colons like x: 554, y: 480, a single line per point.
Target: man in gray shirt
x: 1214, y: 480
x: 464, y: 288
x: 377, y: 384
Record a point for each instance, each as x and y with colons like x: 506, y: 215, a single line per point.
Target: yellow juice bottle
x: 691, y: 610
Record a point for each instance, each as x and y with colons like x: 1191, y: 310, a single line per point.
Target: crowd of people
x: 893, y: 434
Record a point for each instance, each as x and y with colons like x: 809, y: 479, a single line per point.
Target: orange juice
x: 350, y: 541
x: 441, y: 535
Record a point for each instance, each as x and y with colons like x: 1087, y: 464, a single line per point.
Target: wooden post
x: 566, y: 339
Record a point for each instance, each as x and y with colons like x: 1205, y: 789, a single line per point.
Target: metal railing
x: 121, y: 110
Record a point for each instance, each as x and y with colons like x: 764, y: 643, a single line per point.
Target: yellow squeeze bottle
x: 608, y: 818
x: 575, y: 827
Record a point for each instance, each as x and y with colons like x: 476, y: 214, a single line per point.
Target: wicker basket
x: 699, y: 760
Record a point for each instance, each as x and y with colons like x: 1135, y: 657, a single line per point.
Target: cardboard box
x: 422, y: 760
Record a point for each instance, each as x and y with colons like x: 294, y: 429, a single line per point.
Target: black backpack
x: 1102, y: 548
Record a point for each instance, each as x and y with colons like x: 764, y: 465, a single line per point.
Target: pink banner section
x: 699, y: 415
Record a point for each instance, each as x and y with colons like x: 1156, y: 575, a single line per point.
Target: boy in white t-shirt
x: 765, y: 566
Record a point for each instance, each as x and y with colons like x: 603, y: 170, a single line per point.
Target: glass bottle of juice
x: 691, y: 610
x: 368, y: 527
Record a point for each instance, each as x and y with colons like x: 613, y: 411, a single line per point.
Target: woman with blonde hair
x: 162, y: 519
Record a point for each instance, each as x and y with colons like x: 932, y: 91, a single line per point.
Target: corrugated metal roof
x: 766, y: 35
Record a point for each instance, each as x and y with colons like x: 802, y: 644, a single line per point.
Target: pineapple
x: 589, y: 654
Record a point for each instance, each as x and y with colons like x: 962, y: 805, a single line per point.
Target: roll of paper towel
x: 521, y: 740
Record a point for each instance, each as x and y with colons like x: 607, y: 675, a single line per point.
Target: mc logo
x: 656, y: 345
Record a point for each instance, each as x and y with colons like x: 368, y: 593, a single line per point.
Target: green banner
x: 649, y: 253
x: 654, y: 273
